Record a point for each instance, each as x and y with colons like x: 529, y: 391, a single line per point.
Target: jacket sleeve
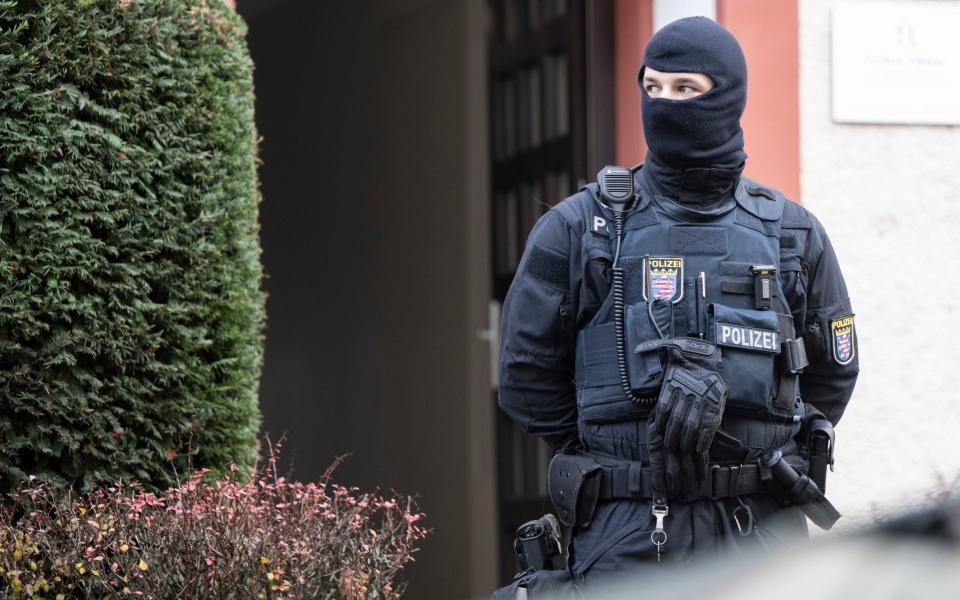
x: 829, y: 332
x: 536, y: 376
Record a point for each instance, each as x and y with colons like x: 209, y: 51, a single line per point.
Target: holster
x: 820, y: 440
x: 574, y: 485
x: 801, y: 489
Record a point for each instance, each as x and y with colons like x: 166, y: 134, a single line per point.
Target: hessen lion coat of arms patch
x: 663, y: 278
x: 842, y: 332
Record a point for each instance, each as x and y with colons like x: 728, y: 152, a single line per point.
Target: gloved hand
x: 686, y: 417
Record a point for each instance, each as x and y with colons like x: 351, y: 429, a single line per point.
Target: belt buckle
x: 705, y: 490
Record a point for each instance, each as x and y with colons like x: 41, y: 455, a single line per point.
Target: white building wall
x: 889, y: 197
x: 667, y: 11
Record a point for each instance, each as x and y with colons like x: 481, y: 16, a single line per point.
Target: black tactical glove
x: 687, y: 414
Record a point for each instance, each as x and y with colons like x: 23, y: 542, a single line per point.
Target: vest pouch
x: 751, y: 341
x: 600, y: 397
x: 645, y: 368
x: 573, y: 481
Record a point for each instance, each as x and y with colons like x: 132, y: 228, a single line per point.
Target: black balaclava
x: 696, y: 145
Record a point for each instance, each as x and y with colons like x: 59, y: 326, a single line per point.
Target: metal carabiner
x: 744, y: 529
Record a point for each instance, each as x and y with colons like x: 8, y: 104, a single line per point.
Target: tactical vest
x: 712, y: 278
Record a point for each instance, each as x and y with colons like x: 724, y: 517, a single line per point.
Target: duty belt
x: 622, y: 479
x: 578, y: 481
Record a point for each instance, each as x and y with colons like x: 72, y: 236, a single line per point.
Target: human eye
x: 652, y: 88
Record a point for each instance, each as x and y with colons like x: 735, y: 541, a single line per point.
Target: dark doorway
x: 551, y: 130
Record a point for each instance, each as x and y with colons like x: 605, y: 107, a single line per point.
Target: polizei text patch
x: 748, y: 338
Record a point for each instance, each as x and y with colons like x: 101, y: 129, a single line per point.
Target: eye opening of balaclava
x: 643, y: 89
x: 703, y: 131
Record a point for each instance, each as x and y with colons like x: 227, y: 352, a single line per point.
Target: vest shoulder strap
x: 591, y: 188
x: 795, y: 217
x: 577, y: 209
x: 765, y: 203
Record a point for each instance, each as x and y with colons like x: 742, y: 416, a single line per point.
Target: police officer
x: 682, y: 335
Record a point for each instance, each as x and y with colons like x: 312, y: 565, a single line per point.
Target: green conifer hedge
x: 131, y: 309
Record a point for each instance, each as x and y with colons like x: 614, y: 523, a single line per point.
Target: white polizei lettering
x: 747, y: 337
x: 599, y: 223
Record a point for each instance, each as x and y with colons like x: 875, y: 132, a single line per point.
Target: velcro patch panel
x: 549, y: 267
x: 735, y: 268
x: 699, y: 240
